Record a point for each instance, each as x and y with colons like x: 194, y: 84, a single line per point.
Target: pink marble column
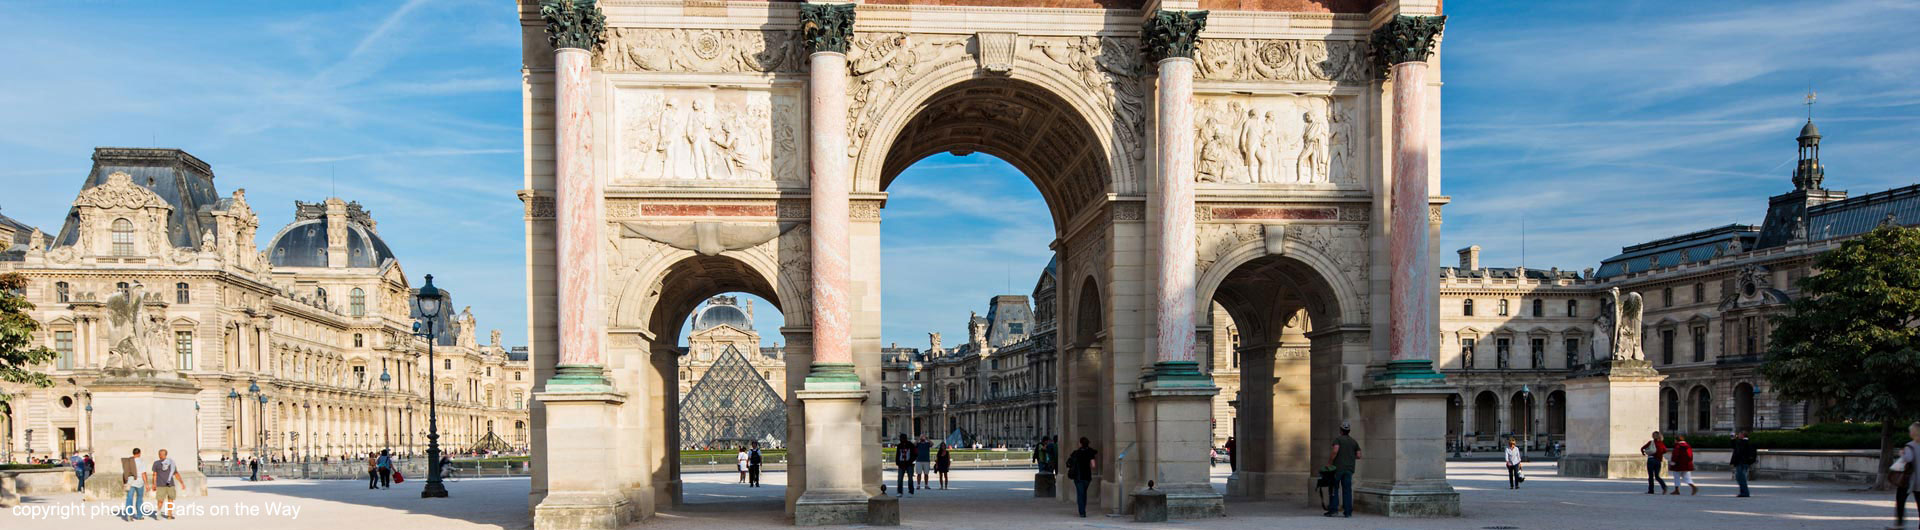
x: 578, y: 214
x: 1174, y: 281
x: 830, y: 187
x: 1411, y: 295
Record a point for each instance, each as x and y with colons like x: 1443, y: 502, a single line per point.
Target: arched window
x: 1466, y: 307
x: 122, y: 237
x: 358, y: 299
x: 182, y: 294
x: 60, y: 292
x: 1703, y: 408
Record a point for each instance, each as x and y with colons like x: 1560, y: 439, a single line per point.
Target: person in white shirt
x: 136, y: 489
x: 740, y: 461
x: 1513, y: 465
x: 1909, y: 462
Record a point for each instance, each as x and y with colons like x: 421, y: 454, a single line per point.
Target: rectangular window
x: 1573, y: 308
x: 1699, y: 343
x: 1666, y: 297
x: 1699, y: 292
x: 61, y: 292
x: 183, y: 347
x: 63, y: 344
x: 1503, y: 307
x: 182, y: 294
x: 1016, y: 328
x: 1666, y: 346
x: 1501, y: 348
x: 1466, y: 353
x: 1539, y: 308
x: 1573, y: 353
x: 360, y: 374
x: 1752, y: 332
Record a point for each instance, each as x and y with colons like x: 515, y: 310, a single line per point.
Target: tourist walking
x: 79, y: 469
x: 373, y: 471
x: 1744, y: 456
x: 1682, y: 465
x: 1513, y: 465
x: 1080, y: 468
x: 254, y: 464
x: 133, y: 477
x: 903, y: 460
x: 740, y: 461
x: 753, y: 465
x: 1233, y: 454
x: 165, y: 483
x: 942, y: 463
x: 386, y: 469
x: 1656, y: 452
x: 923, y: 460
x: 1345, y: 454
x: 88, y: 462
x: 1903, y: 476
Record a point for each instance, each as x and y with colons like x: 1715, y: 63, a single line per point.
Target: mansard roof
x: 16, y: 248
x: 1685, y: 248
x: 1507, y: 273
x: 182, y: 180
x: 1859, y: 215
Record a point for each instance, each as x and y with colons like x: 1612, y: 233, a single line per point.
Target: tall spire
x: 1808, y: 173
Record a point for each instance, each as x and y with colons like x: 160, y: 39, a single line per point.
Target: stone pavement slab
x: 1003, y: 499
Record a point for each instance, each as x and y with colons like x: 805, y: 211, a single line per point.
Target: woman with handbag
x: 1904, y: 481
x: 1513, y: 466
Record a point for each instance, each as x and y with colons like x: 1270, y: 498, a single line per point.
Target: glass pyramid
x: 731, y: 406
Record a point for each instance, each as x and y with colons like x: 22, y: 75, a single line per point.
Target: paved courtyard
x: 1002, y: 499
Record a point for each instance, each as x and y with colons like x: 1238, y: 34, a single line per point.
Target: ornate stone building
x: 723, y: 323
x: 1509, y: 336
x: 997, y: 389
x: 314, y: 319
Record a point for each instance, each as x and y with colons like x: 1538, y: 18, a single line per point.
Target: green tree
x: 1852, y: 340
x: 17, y: 352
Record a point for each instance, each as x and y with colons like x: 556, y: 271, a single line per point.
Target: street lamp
x: 233, y: 420
x: 409, y: 429
x: 1526, y: 420
x: 429, y: 298
x: 386, y: 437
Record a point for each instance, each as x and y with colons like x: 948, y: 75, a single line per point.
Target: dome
x: 1809, y: 131
x: 304, y: 244
x: 716, y: 315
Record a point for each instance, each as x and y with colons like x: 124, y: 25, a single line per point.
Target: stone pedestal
x: 883, y: 510
x: 1043, y: 484
x: 1174, y: 438
x: 835, y: 493
x: 585, y: 492
x: 150, y: 412
x: 1611, y: 411
x: 1150, y: 506
x: 1403, y: 460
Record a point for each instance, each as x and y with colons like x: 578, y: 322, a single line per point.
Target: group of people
x: 380, y: 471
x: 82, y: 467
x: 749, y: 460
x: 1679, y: 460
x: 918, y: 462
x: 162, y: 477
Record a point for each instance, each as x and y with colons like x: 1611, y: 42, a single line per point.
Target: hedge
x: 1817, y: 436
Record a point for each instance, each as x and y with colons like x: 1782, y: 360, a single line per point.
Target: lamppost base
x: 434, y: 490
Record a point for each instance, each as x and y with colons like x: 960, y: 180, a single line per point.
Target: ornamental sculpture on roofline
x: 1406, y: 39
x: 826, y: 27
x: 574, y: 23
x: 1173, y: 33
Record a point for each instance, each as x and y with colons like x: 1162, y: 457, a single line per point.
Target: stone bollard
x: 1043, y: 485
x: 1150, y: 506
x: 883, y: 510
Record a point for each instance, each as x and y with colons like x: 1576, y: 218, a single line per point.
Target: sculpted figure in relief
x: 1313, y: 155
x: 687, y: 135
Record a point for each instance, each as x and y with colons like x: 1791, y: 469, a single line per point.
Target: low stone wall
x: 42, y: 481
x: 1853, y: 466
x: 412, y: 469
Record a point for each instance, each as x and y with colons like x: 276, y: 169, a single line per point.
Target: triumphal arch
x: 1273, y: 156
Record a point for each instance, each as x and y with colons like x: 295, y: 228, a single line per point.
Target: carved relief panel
x: 710, y: 136
x: 700, y: 50
x: 1280, y: 139
x: 1282, y: 60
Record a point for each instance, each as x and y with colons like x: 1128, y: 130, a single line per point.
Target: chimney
x: 1470, y: 258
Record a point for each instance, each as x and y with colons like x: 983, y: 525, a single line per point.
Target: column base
x: 570, y: 511
x: 835, y: 491
x: 1408, y: 370
x: 1174, y: 441
x: 579, y: 378
x: 1178, y: 373
x: 1408, y: 499
x: 1043, y: 484
x: 819, y: 508
x: 1603, y: 466
x: 832, y: 376
x: 1279, y: 486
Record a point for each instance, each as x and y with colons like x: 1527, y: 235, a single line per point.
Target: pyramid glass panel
x: 731, y: 406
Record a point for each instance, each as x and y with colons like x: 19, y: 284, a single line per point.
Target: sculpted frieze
x: 710, y: 135
x: 1344, y: 245
x: 883, y: 64
x: 1282, y: 60
x: 1109, y: 69
x: 1276, y: 140
x: 700, y: 50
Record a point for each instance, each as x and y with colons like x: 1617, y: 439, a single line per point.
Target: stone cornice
x: 1405, y: 39
x: 573, y: 23
x: 826, y: 27
x: 1170, y: 33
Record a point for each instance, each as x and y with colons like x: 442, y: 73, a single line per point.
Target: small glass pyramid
x: 731, y: 406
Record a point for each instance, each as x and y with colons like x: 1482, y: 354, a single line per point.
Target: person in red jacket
x: 1682, y: 465
x: 1656, y: 451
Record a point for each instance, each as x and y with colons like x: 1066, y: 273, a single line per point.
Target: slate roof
x: 1508, y: 273
x: 303, y: 243
x: 185, y: 182
x: 1685, y: 248
x: 1859, y: 215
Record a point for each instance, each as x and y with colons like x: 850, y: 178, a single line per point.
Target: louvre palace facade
x: 319, y: 322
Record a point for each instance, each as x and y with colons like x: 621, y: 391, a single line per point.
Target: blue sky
x: 1601, y: 124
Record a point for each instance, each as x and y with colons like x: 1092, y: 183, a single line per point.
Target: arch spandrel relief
x: 710, y: 136
x: 701, y: 51
x: 1278, y: 139
x: 1283, y: 60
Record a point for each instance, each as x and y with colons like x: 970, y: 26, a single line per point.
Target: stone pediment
x: 120, y: 192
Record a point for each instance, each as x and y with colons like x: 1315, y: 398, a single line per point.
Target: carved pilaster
x: 1405, y: 39
x: 1173, y: 33
x: 574, y: 23
x: 826, y: 27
